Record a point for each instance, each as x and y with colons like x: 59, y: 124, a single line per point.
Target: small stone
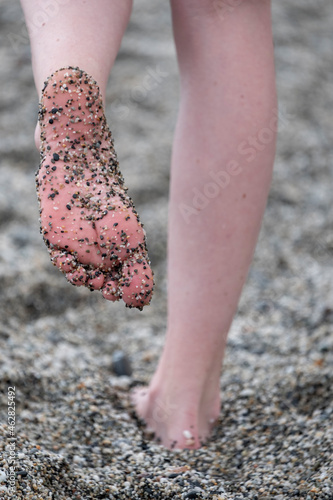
x: 246, y: 393
x: 121, y: 364
x: 191, y: 494
x: 22, y: 473
x: 32, y: 451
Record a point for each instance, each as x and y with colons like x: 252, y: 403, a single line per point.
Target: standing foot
x: 178, y: 418
x: 88, y: 222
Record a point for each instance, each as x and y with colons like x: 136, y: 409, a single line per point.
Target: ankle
x: 189, y: 396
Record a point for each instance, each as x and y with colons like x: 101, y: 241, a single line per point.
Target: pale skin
x: 228, y: 96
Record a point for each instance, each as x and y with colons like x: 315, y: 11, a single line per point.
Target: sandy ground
x: 75, y: 438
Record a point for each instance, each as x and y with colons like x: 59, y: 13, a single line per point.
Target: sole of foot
x: 88, y: 221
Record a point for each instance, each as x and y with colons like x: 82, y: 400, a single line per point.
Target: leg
x: 76, y: 33
x: 219, y: 188
x: 89, y: 223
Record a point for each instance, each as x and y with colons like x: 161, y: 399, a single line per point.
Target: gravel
x: 74, y: 357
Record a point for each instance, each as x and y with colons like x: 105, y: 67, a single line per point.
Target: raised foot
x: 88, y: 221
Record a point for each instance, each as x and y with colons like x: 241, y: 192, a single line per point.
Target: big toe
x: 137, y: 282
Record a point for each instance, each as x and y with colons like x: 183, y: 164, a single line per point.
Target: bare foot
x: 88, y: 221
x: 178, y: 418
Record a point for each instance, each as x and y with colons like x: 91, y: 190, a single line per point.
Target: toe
x: 77, y: 277
x: 111, y: 290
x: 137, y: 394
x: 64, y: 261
x: 137, y: 282
x: 95, y: 280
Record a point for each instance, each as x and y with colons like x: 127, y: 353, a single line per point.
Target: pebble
x: 121, y: 364
x: 33, y: 451
x: 192, y: 494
